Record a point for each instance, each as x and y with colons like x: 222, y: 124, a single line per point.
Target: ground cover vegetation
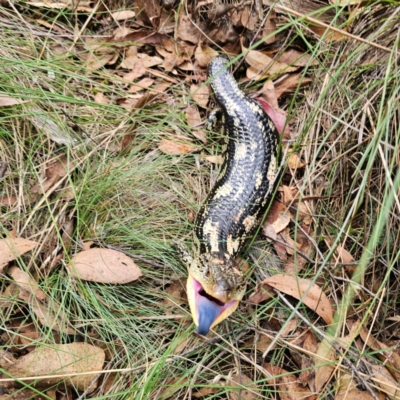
x: 105, y: 160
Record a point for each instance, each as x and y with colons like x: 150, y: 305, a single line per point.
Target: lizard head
x: 215, y: 287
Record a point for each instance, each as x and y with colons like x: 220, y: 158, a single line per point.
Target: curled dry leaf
x: 295, y: 58
x: 217, y: 159
x: 187, y: 31
x: 60, y: 6
x: 328, y: 34
x: 263, y: 292
x: 278, y: 217
x: 6, y: 101
x: 142, y: 84
x: 193, y: 116
x: 27, y: 283
x: 176, y: 295
x: 69, y: 363
x: 104, y: 266
x: 324, y: 365
x: 388, y: 385
x: 287, y: 384
x: 247, y: 388
x: 136, y: 66
x: 386, y: 354
x: 201, y: 94
x: 269, y: 95
x: 294, y: 161
x: 43, y: 123
x: 310, y: 294
x: 290, y: 83
x: 123, y: 15
x: 355, y: 394
x: 194, y: 120
x: 344, y: 255
x: 204, y: 54
x: 97, y: 61
x: 174, y: 148
x: 100, y: 98
x: 262, y: 65
x: 12, y: 248
x: 48, y: 312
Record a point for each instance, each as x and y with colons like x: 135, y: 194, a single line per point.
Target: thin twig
x: 3, y: 168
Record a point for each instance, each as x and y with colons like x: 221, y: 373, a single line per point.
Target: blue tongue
x: 208, y: 311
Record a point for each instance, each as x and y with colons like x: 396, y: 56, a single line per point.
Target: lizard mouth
x: 208, y: 308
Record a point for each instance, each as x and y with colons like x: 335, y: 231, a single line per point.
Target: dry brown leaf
x: 218, y: 159
x: 205, y: 391
x: 263, y: 292
x: 137, y: 101
x: 324, y: 369
x: 386, y: 354
x: 22, y: 394
x: 54, y: 172
x: 344, y: 255
x: 127, y: 141
x: 40, y: 118
x: 278, y: 217
x: 204, y: 54
x: 12, y: 248
x: 176, y: 293
x: 290, y: 83
x: 355, y: 394
x: 292, y: 245
x: 48, y: 312
x: 302, y: 237
x: 160, y: 87
x: 388, y: 385
x: 249, y: 18
x: 269, y: 28
x: 122, y: 15
x: 174, y: 148
x: 72, y: 361
x: 268, y: 92
x: 150, y: 61
x: 137, y: 69
x: 294, y: 161
x: 287, y: 194
x: 262, y: 66
x: 194, y: 120
x: 148, y: 12
x: 8, y: 296
x: 27, y: 283
x: 60, y: 6
x: 248, y: 393
x: 97, y: 61
x: 6, y: 101
x: 104, y: 266
x: 328, y: 34
x: 288, y: 385
x: 193, y: 116
x: 187, y: 31
x: 297, y: 288
x: 304, y: 214
x: 100, y: 98
x: 170, y: 61
x: 142, y: 84
x: 201, y: 93
x: 345, y: 3
x: 295, y: 58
